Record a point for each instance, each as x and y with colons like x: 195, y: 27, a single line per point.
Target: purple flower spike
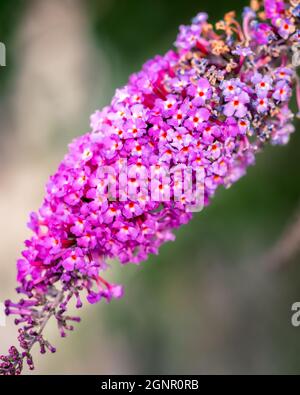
x: 188, y: 122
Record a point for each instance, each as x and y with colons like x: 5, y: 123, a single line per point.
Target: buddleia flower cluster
x: 206, y: 107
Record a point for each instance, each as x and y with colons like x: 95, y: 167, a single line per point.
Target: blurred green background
x: 209, y: 303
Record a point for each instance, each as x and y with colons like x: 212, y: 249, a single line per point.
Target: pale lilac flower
x: 214, y: 151
x: 188, y: 36
x: 230, y: 87
x: 282, y: 91
x: 243, y: 125
x: 263, y: 84
x: 284, y: 73
x: 285, y: 27
x: 177, y: 138
x: 179, y: 83
x: 200, y: 92
x: 236, y: 105
x: 220, y: 167
x: 262, y: 105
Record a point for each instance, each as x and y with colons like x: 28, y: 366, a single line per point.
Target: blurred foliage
x: 136, y: 30
x: 10, y: 13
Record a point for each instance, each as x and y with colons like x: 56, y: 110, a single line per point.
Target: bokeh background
x: 218, y: 300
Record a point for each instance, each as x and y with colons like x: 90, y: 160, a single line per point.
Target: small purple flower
x: 263, y: 84
x: 94, y: 297
x: 116, y: 291
x: 285, y: 27
x: 282, y: 91
x: 167, y: 107
x: 243, y: 125
x: 262, y: 105
x: 179, y: 83
x: 232, y: 128
x: 144, y: 84
x: 230, y: 87
x: 24, y: 268
x: 209, y: 133
x: 212, y: 183
x: 132, y: 209
x: 197, y: 118
x: 220, y: 167
x: 53, y: 244
x: 214, y: 151
x: 72, y: 259
x: 72, y: 199
x: 78, y: 228
x: 139, y: 112
x: 86, y: 155
x: 200, y: 92
x: 134, y: 128
x: 106, y: 291
x: 284, y: 73
x: 178, y: 138
x: 111, y: 214
x: 178, y: 118
x: 236, y: 105
x: 88, y: 240
x: 125, y: 231
x: 81, y: 180
x: 166, y: 155
x: 188, y: 36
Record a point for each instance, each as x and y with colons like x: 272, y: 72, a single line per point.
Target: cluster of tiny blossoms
x: 212, y: 105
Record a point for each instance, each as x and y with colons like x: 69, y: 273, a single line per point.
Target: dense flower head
x: 208, y: 106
